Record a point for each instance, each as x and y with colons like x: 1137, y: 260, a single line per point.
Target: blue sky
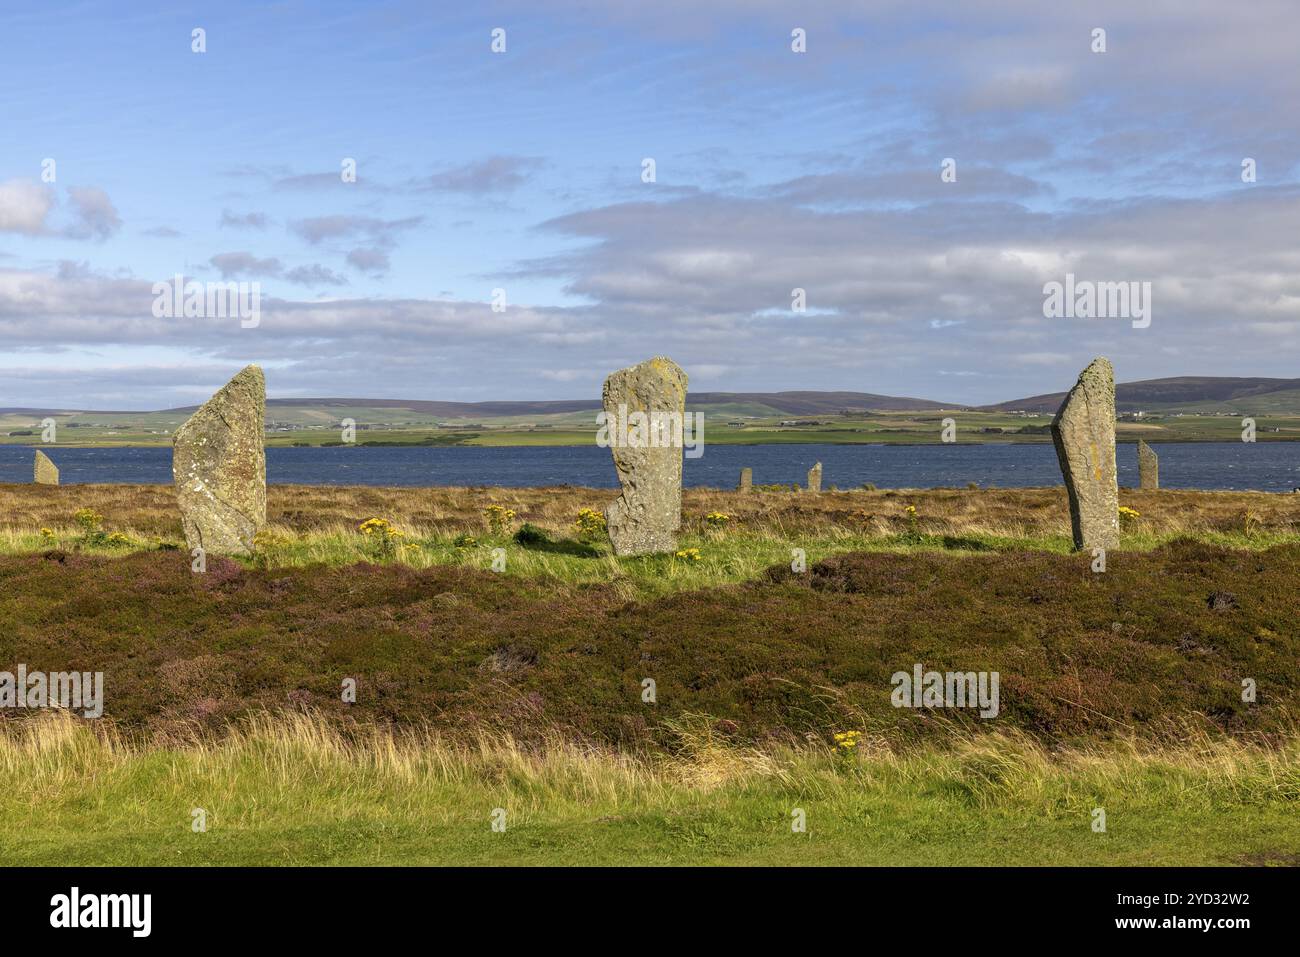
x: 522, y: 171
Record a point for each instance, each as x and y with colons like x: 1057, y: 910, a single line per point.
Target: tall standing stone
x: 44, y: 472
x: 815, y: 478
x: 219, y: 465
x: 645, y: 407
x: 746, y: 480
x: 1148, y: 467
x: 1084, y: 435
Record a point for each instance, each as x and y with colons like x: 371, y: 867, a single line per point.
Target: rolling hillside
x: 737, y: 403
x: 1186, y: 394
x: 410, y: 411
x: 1203, y: 394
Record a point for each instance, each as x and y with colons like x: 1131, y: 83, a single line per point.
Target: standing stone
x: 746, y: 480
x: 45, y: 472
x: 815, y: 478
x: 219, y: 465
x: 646, y: 405
x: 1084, y: 435
x: 1148, y: 467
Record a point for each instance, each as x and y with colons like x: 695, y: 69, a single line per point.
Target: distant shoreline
x: 819, y: 439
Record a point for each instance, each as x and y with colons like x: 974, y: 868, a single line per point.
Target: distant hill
x: 810, y: 403
x: 1204, y: 394
x: 791, y: 403
x: 1182, y: 394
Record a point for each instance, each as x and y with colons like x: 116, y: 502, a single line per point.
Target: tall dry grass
x: 51, y: 753
x: 294, y: 790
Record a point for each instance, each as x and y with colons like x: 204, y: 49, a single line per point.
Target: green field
x: 380, y: 425
x: 523, y: 688
x: 291, y: 791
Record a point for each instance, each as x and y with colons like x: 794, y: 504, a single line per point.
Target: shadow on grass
x: 565, y: 546
x: 961, y: 543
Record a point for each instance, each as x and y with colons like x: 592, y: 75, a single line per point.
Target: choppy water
x: 1265, y: 466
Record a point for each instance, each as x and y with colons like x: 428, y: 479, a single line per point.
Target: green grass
x: 293, y: 792
x: 725, y: 558
x: 1120, y: 691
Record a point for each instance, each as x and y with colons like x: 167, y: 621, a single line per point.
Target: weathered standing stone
x: 746, y: 480
x: 219, y: 465
x: 646, y: 400
x: 1148, y: 467
x: 815, y: 478
x: 45, y: 472
x: 1084, y: 435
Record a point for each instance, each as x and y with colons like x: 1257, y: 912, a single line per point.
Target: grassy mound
x: 1162, y: 638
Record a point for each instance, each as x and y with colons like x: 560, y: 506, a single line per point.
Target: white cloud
x: 24, y: 206
x: 94, y: 215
